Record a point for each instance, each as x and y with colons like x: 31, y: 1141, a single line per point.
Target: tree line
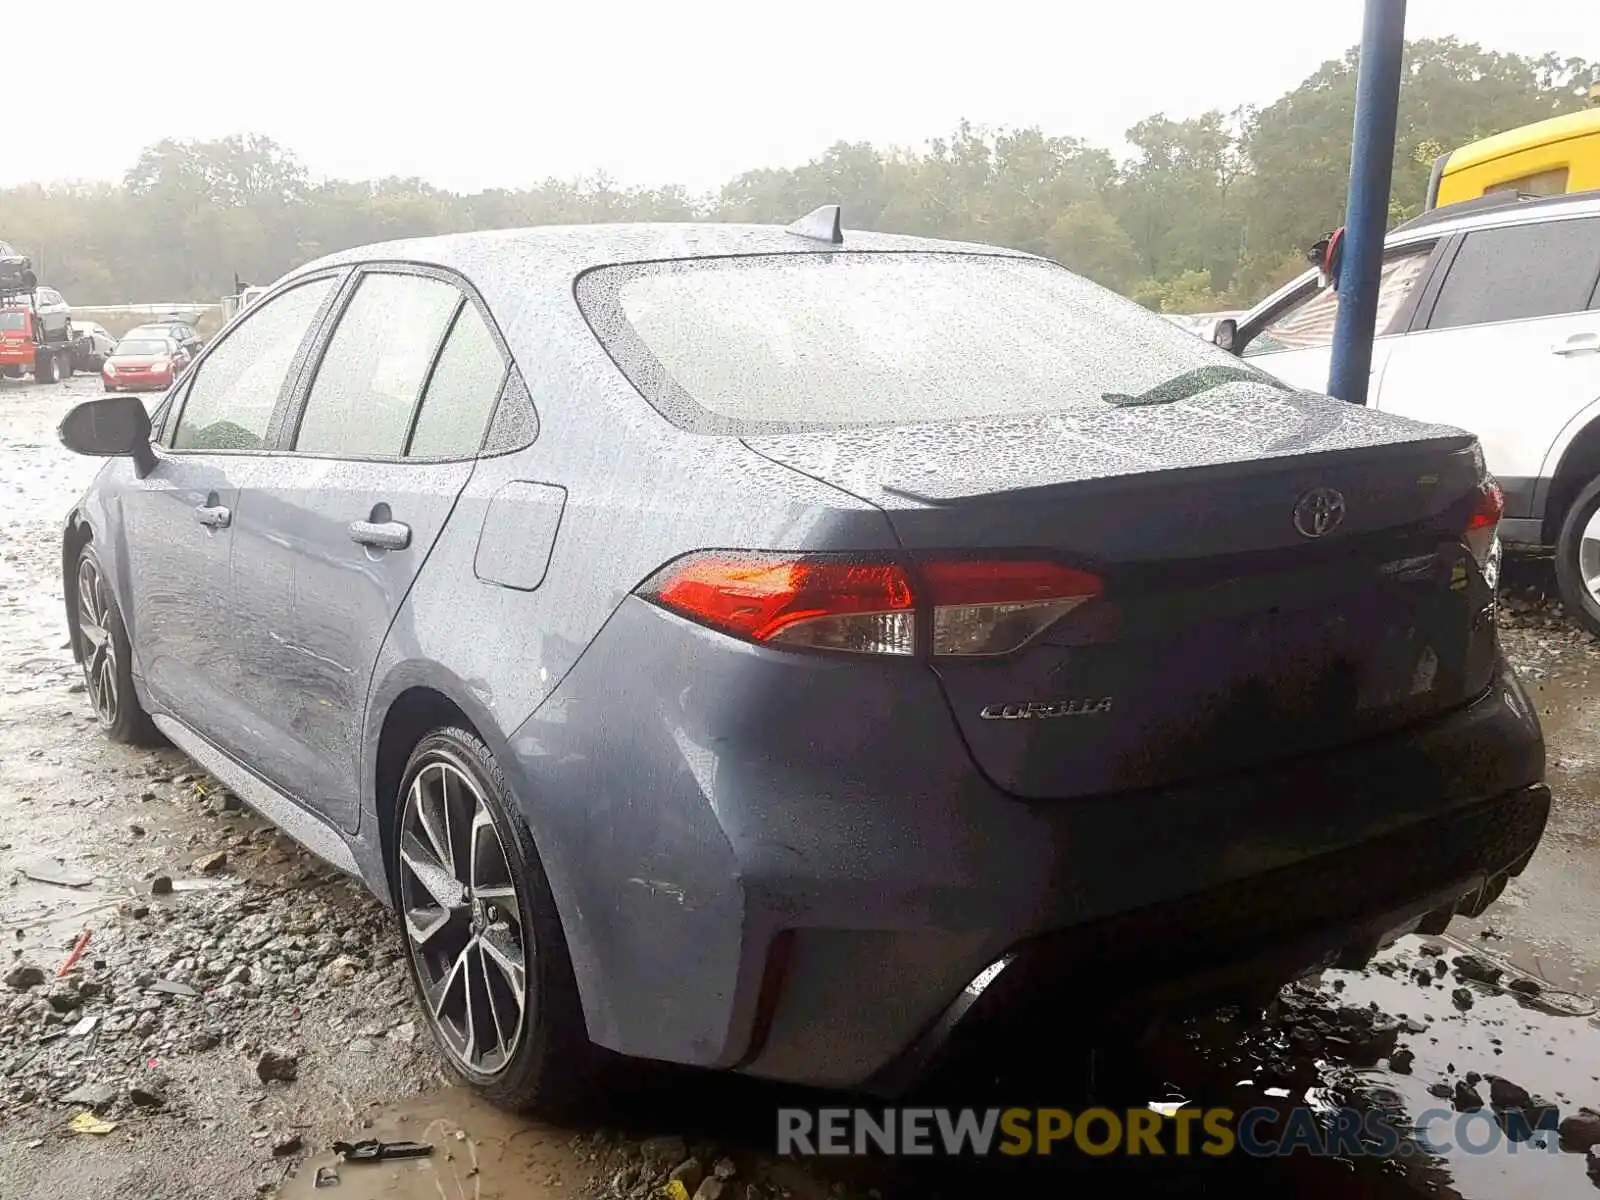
x: 1207, y: 212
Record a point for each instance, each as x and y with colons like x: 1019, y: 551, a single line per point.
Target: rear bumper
x: 789, y: 865
x: 1332, y: 910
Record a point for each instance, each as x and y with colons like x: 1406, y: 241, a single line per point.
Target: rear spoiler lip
x: 1459, y: 443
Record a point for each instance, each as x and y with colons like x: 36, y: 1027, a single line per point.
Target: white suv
x: 1488, y: 320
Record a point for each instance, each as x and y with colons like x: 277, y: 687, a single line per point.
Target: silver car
x: 764, y: 648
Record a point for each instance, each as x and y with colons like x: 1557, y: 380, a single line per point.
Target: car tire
x: 107, y: 655
x: 1575, y: 562
x: 66, y: 368
x: 107, y: 387
x: 48, y: 371
x: 464, y: 956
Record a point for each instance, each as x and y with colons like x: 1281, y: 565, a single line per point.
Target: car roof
x: 1464, y: 217
x: 569, y: 250
x: 1512, y: 210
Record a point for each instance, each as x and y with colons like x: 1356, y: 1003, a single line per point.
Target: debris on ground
x: 87, y: 1122
x: 1580, y: 1131
x: 24, y: 976
x: 280, y: 1065
x: 94, y: 1095
x: 372, y: 1150
x: 78, y: 948
x: 58, y: 876
x: 210, y: 864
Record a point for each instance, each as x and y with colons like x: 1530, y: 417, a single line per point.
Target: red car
x: 142, y: 364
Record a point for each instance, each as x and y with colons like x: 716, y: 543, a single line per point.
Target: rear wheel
x: 108, y: 656
x: 46, y: 369
x: 1578, y: 558
x: 487, y: 956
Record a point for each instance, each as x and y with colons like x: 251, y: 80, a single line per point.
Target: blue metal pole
x: 1383, y: 36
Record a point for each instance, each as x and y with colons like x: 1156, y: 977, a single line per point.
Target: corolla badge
x: 1037, y: 710
x: 1319, y: 512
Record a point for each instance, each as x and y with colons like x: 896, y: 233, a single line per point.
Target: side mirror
x: 1226, y: 335
x: 108, y: 428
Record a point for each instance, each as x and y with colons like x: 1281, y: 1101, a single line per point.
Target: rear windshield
x: 781, y: 343
x: 13, y: 320
x: 142, y: 346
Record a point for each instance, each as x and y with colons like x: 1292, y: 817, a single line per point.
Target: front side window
x: 13, y: 320
x: 1519, y: 272
x: 1308, y: 324
x: 377, y: 361
x: 233, y: 395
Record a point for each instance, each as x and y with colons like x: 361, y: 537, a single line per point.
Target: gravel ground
x: 237, y: 1006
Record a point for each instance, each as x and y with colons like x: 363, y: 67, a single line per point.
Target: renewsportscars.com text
x: 1213, y: 1132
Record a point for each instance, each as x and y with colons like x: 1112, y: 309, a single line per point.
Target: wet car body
x: 1237, y: 752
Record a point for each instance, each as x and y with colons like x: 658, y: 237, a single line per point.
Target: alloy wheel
x: 1589, y: 555
x: 100, y: 649
x: 463, y: 918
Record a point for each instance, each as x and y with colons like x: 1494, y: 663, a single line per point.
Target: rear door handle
x: 213, y: 516
x: 384, y: 535
x: 1578, y: 343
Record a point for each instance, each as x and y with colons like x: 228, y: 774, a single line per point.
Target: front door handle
x: 1578, y: 343
x: 213, y: 516
x: 381, y: 535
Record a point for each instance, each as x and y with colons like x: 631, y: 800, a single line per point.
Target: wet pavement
x: 173, y: 1028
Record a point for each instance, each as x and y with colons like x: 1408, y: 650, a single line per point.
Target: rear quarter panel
x: 639, y: 492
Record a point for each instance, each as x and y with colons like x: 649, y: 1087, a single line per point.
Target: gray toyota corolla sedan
x: 763, y: 648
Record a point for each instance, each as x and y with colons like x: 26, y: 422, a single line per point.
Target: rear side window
x: 1520, y: 272
x: 784, y: 342
x: 371, y: 376
x: 1308, y: 323
x: 232, y: 397
x: 461, y: 392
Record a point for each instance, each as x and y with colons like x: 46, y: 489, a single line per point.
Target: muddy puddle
x: 477, y: 1153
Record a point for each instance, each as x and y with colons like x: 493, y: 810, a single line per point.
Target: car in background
x: 55, y: 314
x: 182, y: 332
x: 142, y: 364
x: 763, y: 647
x: 1199, y: 324
x: 1493, y: 297
x: 92, y: 344
x: 16, y: 269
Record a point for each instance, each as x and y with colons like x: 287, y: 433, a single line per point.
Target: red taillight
x: 1482, y: 533
x: 1490, y: 507
x: 977, y: 607
x: 827, y: 604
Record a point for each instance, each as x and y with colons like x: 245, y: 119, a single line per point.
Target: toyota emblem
x: 1319, y: 512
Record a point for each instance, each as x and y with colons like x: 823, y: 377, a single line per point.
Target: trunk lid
x: 1224, y: 637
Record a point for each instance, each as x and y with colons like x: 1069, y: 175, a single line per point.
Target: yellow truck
x: 1547, y: 158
